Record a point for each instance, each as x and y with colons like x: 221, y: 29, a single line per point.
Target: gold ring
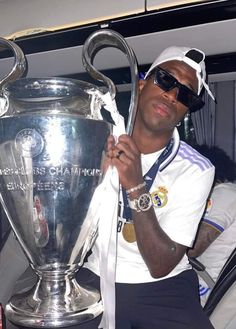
x: 119, y: 154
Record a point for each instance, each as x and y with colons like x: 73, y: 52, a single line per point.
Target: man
x: 216, y: 235
x: 165, y: 184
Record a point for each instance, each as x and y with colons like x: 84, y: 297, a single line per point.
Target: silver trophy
x: 52, y: 146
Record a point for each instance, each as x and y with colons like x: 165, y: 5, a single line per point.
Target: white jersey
x: 221, y: 214
x: 180, y: 190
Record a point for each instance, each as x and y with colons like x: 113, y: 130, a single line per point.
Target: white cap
x: 191, y: 56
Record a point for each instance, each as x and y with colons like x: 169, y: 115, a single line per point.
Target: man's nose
x: 171, y: 94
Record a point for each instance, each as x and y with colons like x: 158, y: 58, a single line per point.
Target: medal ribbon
x: 148, y: 177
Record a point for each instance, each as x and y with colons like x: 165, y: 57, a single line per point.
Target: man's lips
x: 162, y: 109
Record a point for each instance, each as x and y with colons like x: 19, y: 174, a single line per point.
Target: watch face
x: 144, y: 202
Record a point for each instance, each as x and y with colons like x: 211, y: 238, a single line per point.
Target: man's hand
x: 125, y: 156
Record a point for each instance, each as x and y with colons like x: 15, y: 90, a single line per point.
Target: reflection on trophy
x: 52, y: 146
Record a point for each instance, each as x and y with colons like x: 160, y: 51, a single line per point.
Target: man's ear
x: 141, y: 84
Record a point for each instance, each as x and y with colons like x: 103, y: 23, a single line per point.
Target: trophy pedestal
x: 54, y: 302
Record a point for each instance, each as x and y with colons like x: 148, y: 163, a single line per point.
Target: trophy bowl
x: 51, y: 154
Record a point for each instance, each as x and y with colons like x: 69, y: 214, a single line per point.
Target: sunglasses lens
x: 189, y: 99
x: 186, y: 96
x: 164, y: 80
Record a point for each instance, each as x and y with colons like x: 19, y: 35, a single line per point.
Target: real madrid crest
x: 159, y: 197
x: 209, y: 205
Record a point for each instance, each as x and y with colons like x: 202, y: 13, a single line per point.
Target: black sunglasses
x: 186, y: 96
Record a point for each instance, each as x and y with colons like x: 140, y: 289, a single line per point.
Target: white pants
x: 13, y: 264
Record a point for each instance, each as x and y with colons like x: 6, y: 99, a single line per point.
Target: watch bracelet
x: 136, y: 188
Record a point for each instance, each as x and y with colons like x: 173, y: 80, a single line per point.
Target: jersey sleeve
x: 187, y: 200
x: 220, y: 211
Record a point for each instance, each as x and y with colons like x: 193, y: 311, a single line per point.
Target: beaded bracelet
x: 136, y: 188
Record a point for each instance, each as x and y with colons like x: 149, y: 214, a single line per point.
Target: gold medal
x: 129, y: 232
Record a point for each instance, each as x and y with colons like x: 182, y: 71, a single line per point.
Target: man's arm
x: 205, y: 236
x: 160, y: 253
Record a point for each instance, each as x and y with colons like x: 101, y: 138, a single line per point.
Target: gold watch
x: 142, y: 203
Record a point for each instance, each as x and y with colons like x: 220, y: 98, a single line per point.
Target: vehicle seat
x: 220, y: 305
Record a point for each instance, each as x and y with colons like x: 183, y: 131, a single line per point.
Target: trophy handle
x: 19, y: 63
x: 109, y: 38
x: 16, y: 72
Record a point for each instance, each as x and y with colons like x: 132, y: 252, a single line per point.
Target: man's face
x: 159, y: 110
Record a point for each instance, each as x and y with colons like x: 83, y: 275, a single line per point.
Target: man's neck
x: 149, y: 142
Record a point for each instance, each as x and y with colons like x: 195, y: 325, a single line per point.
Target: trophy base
x: 53, y: 310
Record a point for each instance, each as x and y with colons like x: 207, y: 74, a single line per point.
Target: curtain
x: 204, y: 120
x: 234, y: 151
